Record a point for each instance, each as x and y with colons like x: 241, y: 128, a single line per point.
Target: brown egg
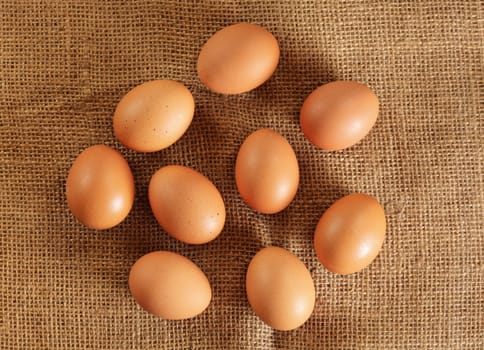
x: 100, y: 187
x: 238, y: 58
x: 266, y: 171
x: 186, y: 204
x: 153, y: 115
x: 280, y: 288
x: 339, y: 114
x: 169, y: 285
x: 350, y: 233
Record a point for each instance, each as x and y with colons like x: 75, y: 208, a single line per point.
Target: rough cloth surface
x: 65, y: 65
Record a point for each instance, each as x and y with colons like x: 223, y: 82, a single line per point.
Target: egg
x: 350, y: 233
x: 153, y: 115
x: 266, y: 171
x: 186, y: 204
x: 280, y: 288
x: 169, y: 285
x: 100, y: 187
x: 339, y: 114
x: 238, y: 58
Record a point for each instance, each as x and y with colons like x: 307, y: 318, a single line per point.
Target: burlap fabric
x: 64, y: 67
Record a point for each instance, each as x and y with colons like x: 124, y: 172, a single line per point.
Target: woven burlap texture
x: 65, y: 65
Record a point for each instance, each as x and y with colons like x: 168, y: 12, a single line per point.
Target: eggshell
x: 169, y: 285
x: 280, y: 288
x: 350, y: 233
x: 238, y: 58
x: 153, y: 115
x: 339, y: 114
x: 186, y: 204
x: 266, y: 171
x: 100, y: 187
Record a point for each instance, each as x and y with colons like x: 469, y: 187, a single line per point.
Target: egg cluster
x: 188, y: 206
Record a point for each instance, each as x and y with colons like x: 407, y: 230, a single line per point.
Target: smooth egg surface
x: 339, y: 114
x: 350, y: 233
x: 100, y: 187
x: 169, y: 285
x: 186, y: 204
x: 238, y: 58
x: 280, y: 288
x: 267, y: 171
x: 153, y: 115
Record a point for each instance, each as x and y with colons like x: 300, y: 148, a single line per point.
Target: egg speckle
x: 185, y: 204
x: 153, y: 115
